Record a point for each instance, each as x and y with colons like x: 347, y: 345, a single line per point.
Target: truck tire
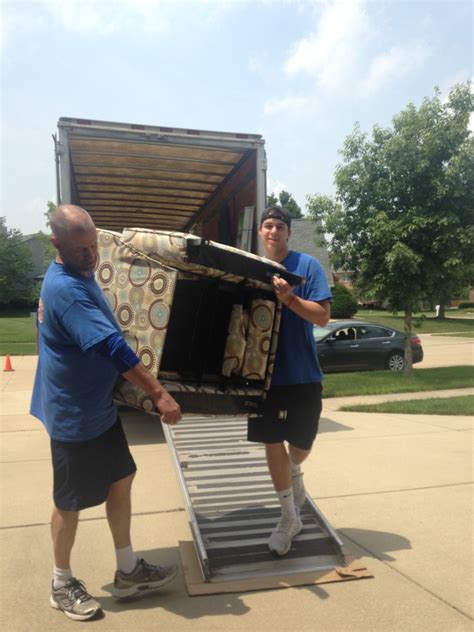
x: 395, y: 361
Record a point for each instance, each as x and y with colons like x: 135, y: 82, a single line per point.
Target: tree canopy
x: 286, y: 201
x: 50, y: 206
x: 402, y: 220
x: 17, y: 285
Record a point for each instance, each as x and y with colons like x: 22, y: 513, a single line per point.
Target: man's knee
x: 122, y: 486
x: 61, y: 519
x: 275, y: 448
x: 276, y: 453
x: 298, y: 455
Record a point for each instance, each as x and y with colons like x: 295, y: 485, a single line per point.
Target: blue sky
x: 299, y: 73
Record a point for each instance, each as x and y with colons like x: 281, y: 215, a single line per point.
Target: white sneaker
x: 284, y: 532
x: 299, y: 491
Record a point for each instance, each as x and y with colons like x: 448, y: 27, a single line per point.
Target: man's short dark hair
x: 276, y: 212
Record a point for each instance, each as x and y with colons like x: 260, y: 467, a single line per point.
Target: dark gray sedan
x: 348, y: 345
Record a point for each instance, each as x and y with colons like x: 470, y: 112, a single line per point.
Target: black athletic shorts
x: 84, y: 471
x: 302, y: 403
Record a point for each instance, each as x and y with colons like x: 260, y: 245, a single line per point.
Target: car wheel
x: 395, y: 361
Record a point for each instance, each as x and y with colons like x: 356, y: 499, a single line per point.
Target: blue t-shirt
x: 296, y: 359
x: 72, y: 393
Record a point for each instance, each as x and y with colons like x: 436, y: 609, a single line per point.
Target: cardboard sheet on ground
x: 196, y: 585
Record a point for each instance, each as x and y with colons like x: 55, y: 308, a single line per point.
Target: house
x: 305, y: 234
x: 37, y: 245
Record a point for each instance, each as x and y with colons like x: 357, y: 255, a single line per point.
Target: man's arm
x: 169, y: 409
x: 129, y: 366
x: 315, y: 312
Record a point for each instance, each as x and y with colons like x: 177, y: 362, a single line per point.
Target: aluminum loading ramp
x: 232, y: 506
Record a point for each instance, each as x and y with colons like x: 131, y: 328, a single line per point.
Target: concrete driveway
x: 446, y: 351
x: 398, y: 488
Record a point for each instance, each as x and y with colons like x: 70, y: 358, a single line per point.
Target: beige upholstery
x: 236, y: 342
x: 138, y: 271
x: 258, y: 340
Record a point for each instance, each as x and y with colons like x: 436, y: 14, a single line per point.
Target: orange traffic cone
x: 8, y: 364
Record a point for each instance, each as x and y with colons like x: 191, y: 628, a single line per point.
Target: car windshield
x: 320, y: 332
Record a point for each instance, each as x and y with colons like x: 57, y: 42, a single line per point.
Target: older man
x: 81, y: 354
x: 296, y: 382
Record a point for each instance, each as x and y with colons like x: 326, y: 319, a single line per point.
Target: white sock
x: 126, y: 559
x: 60, y: 576
x: 287, y: 503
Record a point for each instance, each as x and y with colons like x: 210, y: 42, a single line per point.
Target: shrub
x: 464, y: 304
x: 344, y: 304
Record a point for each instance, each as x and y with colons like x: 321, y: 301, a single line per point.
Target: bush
x: 344, y: 304
x: 464, y: 304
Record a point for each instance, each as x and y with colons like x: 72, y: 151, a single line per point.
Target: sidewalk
x: 397, y: 488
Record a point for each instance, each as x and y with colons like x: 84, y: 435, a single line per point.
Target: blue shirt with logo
x: 296, y: 359
x: 72, y: 393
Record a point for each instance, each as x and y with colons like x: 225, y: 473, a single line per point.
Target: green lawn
x: 17, y: 333
x: 380, y: 382
x: 463, y: 405
x: 425, y: 323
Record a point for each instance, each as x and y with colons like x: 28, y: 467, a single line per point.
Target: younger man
x: 296, y: 383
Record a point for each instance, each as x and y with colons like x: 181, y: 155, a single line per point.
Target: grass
x: 17, y: 333
x: 18, y: 348
x: 463, y: 405
x: 425, y: 323
x: 381, y: 382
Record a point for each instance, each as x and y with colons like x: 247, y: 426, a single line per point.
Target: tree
x: 16, y: 281
x: 50, y: 208
x: 272, y: 200
x: 344, y: 304
x: 48, y: 248
x: 319, y: 207
x: 403, y: 216
x: 286, y: 201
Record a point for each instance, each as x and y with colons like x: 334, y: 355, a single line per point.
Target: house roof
x: 304, y: 236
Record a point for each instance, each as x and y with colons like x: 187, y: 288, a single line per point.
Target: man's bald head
x: 74, y: 237
x: 67, y: 219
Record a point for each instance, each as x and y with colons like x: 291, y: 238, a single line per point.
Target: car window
x: 320, y: 332
x: 371, y: 331
x: 346, y: 333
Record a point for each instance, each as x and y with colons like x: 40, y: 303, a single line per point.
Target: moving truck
x: 212, y: 184
x: 177, y: 214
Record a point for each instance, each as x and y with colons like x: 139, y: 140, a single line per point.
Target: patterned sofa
x: 201, y: 316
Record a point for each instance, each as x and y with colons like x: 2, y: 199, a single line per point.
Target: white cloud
x: 393, y: 64
x: 275, y: 186
x: 292, y: 105
x: 109, y: 17
x: 84, y: 16
x: 331, y: 52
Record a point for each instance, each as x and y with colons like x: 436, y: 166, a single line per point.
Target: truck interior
x: 158, y: 177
